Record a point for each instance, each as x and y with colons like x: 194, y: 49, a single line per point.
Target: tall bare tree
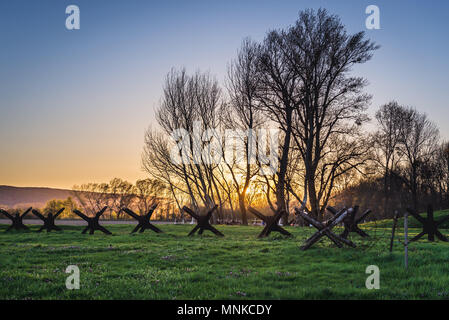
x: 419, y: 139
x: 306, y: 88
x: 189, y: 107
x: 279, y: 95
x: 386, y: 141
x: 241, y: 115
x: 443, y: 173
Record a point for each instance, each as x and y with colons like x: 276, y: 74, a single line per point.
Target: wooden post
x: 395, y: 222
x: 406, y: 238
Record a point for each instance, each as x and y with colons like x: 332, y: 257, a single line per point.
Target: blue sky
x: 74, y: 105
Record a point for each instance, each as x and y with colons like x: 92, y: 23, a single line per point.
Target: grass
x: 238, y: 266
x: 413, y: 223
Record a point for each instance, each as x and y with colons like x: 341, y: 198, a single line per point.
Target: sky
x: 75, y: 104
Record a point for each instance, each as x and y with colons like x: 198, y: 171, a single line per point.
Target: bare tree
x: 306, y: 89
x: 419, y: 139
x: 386, y: 141
x: 189, y: 107
x: 148, y: 191
x: 157, y: 162
x: 92, y: 197
x: 120, y: 194
x: 443, y: 173
x: 242, y: 115
x: 278, y: 95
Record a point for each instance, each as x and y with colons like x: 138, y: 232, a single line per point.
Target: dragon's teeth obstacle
x: 351, y: 223
x: 143, y: 220
x: 202, y: 221
x: 271, y: 223
x: 16, y: 219
x: 93, y: 222
x: 325, y: 229
x: 430, y: 226
x: 49, y: 220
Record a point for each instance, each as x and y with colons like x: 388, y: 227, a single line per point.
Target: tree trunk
x: 414, y: 188
x: 243, y: 208
x: 314, y: 207
x: 280, y: 187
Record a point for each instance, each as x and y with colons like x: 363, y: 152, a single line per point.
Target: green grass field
x: 239, y: 266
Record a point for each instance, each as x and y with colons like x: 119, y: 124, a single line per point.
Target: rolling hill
x: 19, y: 197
